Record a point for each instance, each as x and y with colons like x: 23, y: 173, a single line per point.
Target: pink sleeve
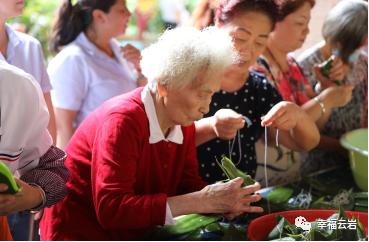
x: 115, y: 153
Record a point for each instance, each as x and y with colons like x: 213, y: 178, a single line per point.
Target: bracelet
x: 321, y: 104
x: 43, y: 196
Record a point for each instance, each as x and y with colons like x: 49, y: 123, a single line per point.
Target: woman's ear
x: 162, y: 90
x: 98, y: 16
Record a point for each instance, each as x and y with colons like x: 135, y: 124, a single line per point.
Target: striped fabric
x: 51, y: 175
x: 10, y: 158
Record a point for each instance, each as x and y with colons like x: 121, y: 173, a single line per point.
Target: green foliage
x: 190, y: 4
x: 38, y: 16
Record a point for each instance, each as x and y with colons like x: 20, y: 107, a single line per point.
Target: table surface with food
x: 331, y: 198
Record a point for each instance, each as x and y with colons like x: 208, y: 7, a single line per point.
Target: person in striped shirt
x: 26, y: 145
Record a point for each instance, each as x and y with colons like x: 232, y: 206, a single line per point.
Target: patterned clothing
x: 343, y: 119
x: 253, y: 100
x: 49, y: 175
x: 292, y: 85
x: 283, y: 164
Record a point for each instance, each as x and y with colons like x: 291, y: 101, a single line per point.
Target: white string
x: 230, y: 147
x: 266, y: 157
x: 265, y: 162
x: 239, y: 147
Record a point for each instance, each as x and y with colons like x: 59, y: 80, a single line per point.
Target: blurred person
x: 173, y: 13
x: 248, y: 94
x: 90, y: 67
x: 25, y: 52
x: 145, y: 10
x: 26, y: 148
x: 345, y: 32
x: 133, y: 160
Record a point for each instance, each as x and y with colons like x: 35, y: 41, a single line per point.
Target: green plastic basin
x: 356, y: 142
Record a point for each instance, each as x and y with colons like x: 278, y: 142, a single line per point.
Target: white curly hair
x: 181, y: 54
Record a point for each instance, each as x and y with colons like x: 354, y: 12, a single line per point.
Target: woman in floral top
x: 292, y: 84
x: 346, y: 25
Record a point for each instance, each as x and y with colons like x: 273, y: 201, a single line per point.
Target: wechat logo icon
x: 302, y: 223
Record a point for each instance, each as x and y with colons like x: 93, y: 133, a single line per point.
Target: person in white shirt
x: 91, y: 67
x: 26, y: 147
x: 24, y: 52
x: 173, y: 13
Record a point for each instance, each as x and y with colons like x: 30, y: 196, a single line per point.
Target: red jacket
x: 119, y: 183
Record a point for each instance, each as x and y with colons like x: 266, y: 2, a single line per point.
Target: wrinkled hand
x: 338, y: 72
x: 230, y: 198
x: 284, y: 116
x: 29, y: 197
x: 226, y: 123
x: 133, y: 55
x: 337, y: 96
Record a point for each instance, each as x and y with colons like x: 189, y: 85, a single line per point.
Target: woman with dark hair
x: 90, y: 68
x: 345, y: 32
x: 248, y: 94
x: 286, y: 75
x: 290, y: 33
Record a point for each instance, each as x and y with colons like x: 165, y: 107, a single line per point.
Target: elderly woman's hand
x: 226, y: 123
x: 230, y: 198
x: 337, y: 72
x: 284, y: 116
x: 29, y: 197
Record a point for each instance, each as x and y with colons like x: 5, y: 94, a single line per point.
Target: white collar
x: 12, y: 35
x: 156, y: 134
x: 92, y: 50
x: 14, y: 40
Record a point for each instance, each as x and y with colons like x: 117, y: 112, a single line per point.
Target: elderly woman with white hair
x: 345, y: 32
x: 133, y: 161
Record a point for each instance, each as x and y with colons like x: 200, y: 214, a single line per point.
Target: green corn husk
x: 188, y: 223
x: 279, y: 195
x: 286, y: 231
x: 7, y: 178
x: 325, y: 69
x: 326, y: 66
x: 232, y: 172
